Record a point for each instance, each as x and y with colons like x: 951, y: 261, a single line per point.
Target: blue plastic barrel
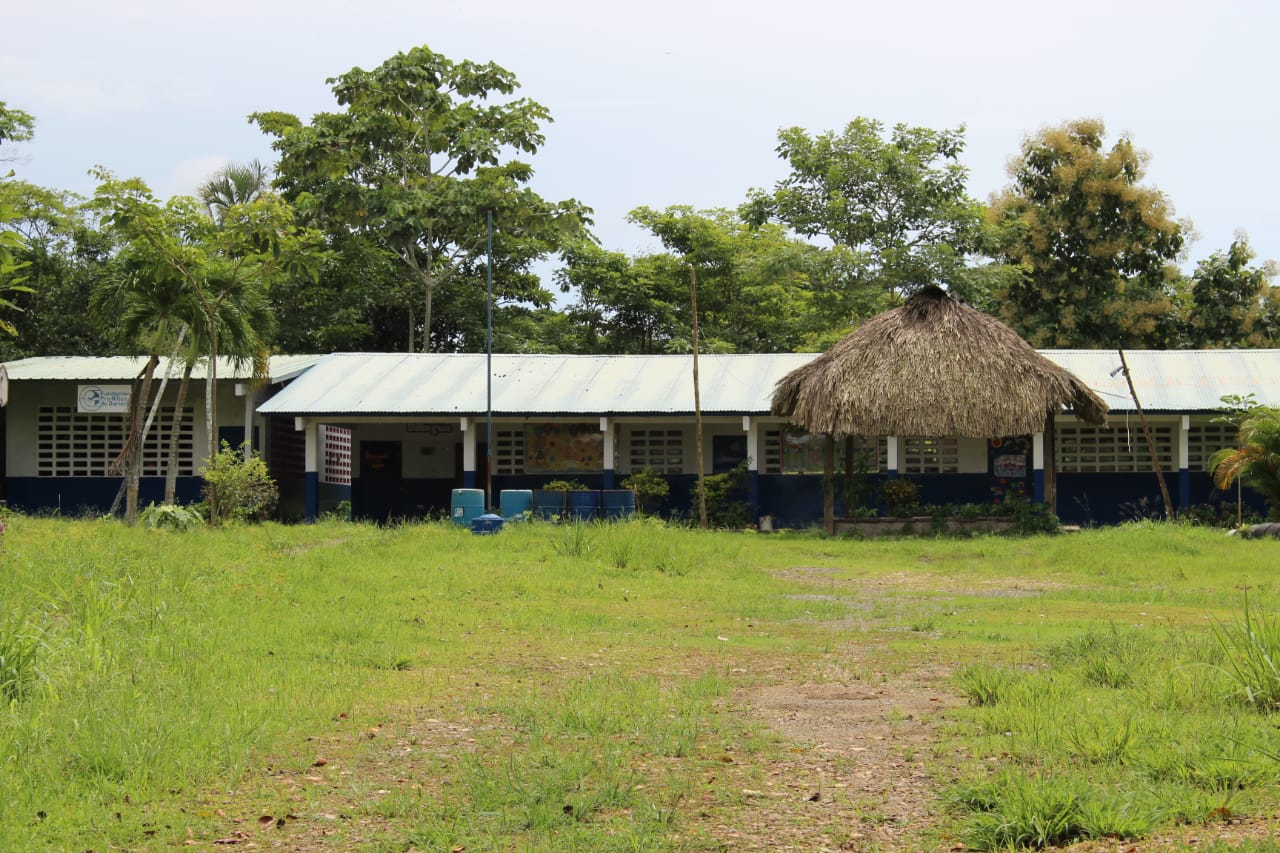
x: 515, y: 504
x: 467, y: 504
x: 548, y: 505
x: 487, y: 524
x: 619, y: 503
x: 584, y: 506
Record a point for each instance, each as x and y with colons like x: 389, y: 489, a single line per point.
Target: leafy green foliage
x: 1095, y: 247
x: 1256, y: 462
x: 897, y: 207
x: 726, y: 496
x: 1233, y: 304
x: 240, y: 489
x: 651, y: 488
x: 902, y: 497
x: 412, y: 165
x: 171, y: 517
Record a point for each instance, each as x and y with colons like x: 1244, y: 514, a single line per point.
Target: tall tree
x: 148, y: 302
x: 15, y: 126
x: 1096, y: 248
x: 61, y: 255
x: 759, y: 290
x: 413, y: 163
x: 898, y: 206
x: 1233, y: 303
x: 255, y: 244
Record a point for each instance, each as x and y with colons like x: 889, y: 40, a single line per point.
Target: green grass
x: 568, y: 687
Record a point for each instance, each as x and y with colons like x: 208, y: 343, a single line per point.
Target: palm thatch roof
x: 932, y: 367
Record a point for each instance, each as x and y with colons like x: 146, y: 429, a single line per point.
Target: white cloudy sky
x: 669, y: 102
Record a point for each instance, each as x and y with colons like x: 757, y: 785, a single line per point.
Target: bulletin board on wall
x: 564, y: 448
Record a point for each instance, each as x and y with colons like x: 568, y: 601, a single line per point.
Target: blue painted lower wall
x: 88, y: 495
x: 793, y: 500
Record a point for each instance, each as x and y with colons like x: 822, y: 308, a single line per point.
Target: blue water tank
x: 584, y: 506
x: 466, y: 505
x: 515, y: 504
x: 619, y: 503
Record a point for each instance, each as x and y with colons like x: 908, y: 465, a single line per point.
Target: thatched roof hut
x: 932, y: 367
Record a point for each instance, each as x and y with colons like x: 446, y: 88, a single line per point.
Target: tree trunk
x: 1146, y: 433
x: 829, y: 484
x: 171, y: 466
x: 133, y: 445
x: 211, y: 406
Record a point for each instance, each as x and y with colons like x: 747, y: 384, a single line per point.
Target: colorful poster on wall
x: 564, y: 449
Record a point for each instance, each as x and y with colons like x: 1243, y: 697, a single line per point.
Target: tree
x: 898, y: 206
x: 253, y: 245
x: 413, y: 163
x: 1096, y: 248
x: 15, y: 126
x: 1256, y: 462
x: 233, y: 184
x: 61, y: 256
x: 758, y: 289
x: 148, y: 302
x: 1232, y: 303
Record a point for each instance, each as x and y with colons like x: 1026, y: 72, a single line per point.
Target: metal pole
x: 488, y: 361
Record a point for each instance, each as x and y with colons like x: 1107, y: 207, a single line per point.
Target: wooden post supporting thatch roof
x: 932, y: 367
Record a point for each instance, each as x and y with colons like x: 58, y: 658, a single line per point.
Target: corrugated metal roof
x: 454, y: 384
x: 125, y: 368
x: 1176, y: 380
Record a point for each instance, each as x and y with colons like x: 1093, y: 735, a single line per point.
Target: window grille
x: 336, y: 442
x: 659, y: 449
x: 1110, y: 449
x: 1204, y: 440
x: 78, y: 444
x: 928, y: 455
x: 794, y: 451
x: 508, y: 451
x: 771, y: 452
x: 287, y: 460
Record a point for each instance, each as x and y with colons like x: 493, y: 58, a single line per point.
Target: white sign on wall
x: 99, y: 399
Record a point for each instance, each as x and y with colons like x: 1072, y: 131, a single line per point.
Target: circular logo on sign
x: 90, y: 398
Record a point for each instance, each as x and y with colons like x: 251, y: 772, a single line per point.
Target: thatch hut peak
x: 932, y: 367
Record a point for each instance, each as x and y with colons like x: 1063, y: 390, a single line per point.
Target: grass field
x: 597, y: 688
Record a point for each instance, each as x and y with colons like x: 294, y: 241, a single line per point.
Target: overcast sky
x: 666, y: 102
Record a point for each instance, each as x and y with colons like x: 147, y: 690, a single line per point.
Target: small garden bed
x: 923, y: 525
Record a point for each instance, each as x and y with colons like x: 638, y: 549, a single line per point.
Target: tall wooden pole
x: 697, y: 403
x: 1146, y: 432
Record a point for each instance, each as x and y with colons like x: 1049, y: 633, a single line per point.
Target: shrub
x: 237, y: 488
x: 651, y: 488
x: 171, y: 517
x: 902, y: 497
x: 565, y: 486
x: 726, y: 498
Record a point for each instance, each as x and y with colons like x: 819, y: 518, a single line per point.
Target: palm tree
x: 150, y: 306
x: 233, y: 184
x: 244, y: 321
x: 1256, y: 462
